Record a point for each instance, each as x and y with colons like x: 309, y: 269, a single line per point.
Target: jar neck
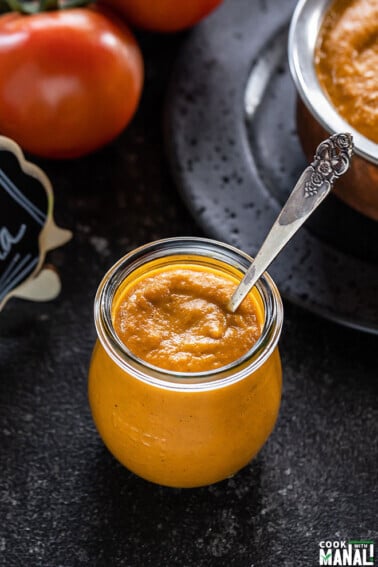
x: 203, y: 252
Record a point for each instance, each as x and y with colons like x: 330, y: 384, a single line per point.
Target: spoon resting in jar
x: 332, y: 159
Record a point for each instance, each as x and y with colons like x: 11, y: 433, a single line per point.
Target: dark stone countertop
x: 65, y: 501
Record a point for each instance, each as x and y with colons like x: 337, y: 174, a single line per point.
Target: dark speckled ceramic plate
x: 234, y: 153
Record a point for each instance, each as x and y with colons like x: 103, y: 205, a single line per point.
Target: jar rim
x: 197, y: 247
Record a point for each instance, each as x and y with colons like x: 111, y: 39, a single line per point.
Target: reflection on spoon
x: 331, y: 160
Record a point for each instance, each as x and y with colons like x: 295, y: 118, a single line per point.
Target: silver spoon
x: 331, y: 160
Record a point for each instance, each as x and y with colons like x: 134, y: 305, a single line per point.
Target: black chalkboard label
x: 26, y: 221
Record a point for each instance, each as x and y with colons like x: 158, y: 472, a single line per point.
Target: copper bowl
x: 317, y: 118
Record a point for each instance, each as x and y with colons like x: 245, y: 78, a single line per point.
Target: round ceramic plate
x: 234, y: 153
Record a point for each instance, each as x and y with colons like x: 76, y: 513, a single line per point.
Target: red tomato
x: 70, y: 80
x: 163, y: 15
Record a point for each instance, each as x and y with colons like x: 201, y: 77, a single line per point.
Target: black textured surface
x: 64, y: 500
x: 236, y: 172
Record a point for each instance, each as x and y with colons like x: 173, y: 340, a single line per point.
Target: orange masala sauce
x: 178, y: 320
x: 346, y: 60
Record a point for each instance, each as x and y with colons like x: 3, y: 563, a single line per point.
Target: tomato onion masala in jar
x: 177, y: 319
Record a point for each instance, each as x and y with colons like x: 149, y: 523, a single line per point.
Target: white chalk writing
x: 7, y: 240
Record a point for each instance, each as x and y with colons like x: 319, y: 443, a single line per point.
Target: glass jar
x: 184, y: 429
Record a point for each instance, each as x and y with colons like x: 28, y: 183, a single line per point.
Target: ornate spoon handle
x: 331, y: 160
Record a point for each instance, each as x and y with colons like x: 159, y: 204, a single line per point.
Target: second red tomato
x: 163, y: 15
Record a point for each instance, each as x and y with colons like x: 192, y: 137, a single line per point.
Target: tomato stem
x: 36, y: 6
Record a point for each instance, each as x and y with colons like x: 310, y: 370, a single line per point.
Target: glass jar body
x: 183, y: 438
x: 184, y: 430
